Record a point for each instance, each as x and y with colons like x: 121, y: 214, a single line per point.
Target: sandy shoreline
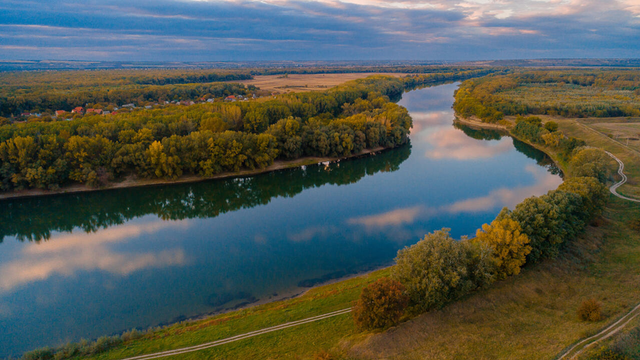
x: 132, y: 182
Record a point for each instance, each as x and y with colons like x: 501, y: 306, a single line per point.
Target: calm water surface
x: 82, y: 266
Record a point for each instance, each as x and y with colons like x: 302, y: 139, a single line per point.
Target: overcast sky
x: 199, y: 30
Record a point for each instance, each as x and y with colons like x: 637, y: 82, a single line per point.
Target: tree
x: 481, y: 266
x: 434, y: 271
x: 381, y: 305
x: 509, y: 244
x: 590, y: 162
x: 593, y: 193
x: 540, y: 222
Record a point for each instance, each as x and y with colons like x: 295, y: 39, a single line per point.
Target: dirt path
x: 239, y: 337
x: 612, y: 329
x: 614, y: 187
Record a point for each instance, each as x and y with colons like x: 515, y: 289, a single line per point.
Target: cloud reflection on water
x: 69, y: 253
x: 495, y: 199
x: 451, y: 143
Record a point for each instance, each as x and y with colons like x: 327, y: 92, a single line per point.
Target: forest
x: 568, y: 93
x: 203, y: 139
x: 209, y: 138
x: 46, y: 92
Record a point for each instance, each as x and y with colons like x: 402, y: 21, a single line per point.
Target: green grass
x: 533, y: 315
x: 303, y: 340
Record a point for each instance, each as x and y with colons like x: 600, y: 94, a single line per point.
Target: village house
x: 60, y: 112
x: 78, y: 110
x: 94, y: 111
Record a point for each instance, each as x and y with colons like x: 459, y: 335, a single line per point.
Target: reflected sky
x: 107, y: 262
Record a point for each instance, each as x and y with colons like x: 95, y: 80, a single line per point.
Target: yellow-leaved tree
x: 510, y: 246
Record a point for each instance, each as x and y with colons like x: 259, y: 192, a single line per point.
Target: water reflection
x: 66, y: 255
x: 496, y: 199
x: 99, y: 210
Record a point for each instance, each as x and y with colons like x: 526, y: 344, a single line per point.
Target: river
x: 86, y: 265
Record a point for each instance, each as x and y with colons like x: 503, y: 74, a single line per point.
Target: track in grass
x: 238, y: 337
x: 581, y: 346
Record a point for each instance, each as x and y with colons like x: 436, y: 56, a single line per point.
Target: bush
x: 381, y: 305
x: 590, y: 310
x: 551, y: 126
x: 40, y: 354
x: 608, y: 354
x: 628, y: 344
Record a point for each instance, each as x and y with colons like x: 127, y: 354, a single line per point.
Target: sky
x: 245, y: 30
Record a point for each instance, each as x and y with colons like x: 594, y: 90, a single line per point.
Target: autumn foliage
x: 509, y: 244
x: 381, y: 305
x: 590, y: 310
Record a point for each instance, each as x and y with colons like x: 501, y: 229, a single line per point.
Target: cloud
x: 495, y: 199
x: 451, y: 143
x: 318, y: 30
x: 66, y: 255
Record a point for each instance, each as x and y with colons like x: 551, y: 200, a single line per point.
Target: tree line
x: 50, y: 91
x: 439, y: 269
x: 207, y: 139
x: 203, y: 139
x: 568, y: 93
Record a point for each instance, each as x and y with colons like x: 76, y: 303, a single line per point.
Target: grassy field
x: 303, y: 341
x: 587, y: 129
x: 533, y: 315
x: 305, y: 82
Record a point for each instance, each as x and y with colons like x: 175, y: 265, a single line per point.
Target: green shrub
x: 39, y: 354
x: 608, y: 354
x: 381, y: 305
x: 551, y: 126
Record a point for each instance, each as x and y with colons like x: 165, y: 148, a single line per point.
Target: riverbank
x: 506, y: 127
x: 131, y: 182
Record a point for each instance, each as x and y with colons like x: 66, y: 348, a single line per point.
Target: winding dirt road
x: 577, y: 349
x: 614, y: 187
